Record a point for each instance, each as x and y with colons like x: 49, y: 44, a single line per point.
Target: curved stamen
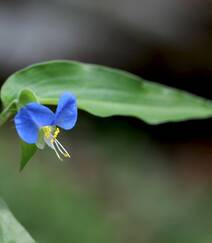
x: 62, y: 149
x: 51, y: 134
x: 56, y: 152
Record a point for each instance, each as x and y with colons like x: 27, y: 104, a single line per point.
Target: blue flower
x: 37, y: 124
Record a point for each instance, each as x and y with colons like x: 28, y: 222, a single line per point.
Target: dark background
x: 127, y: 181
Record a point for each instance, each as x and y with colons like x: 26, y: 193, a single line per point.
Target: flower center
x: 50, y: 137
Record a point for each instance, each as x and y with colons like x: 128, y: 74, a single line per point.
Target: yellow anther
x: 47, y: 131
x: 67, y: 155
x: 57, y: 131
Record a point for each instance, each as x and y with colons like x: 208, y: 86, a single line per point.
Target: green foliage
x: 100, y: 91
x: 104, y: 92
x: 10, y: 229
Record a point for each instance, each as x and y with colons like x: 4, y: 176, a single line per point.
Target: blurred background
x: 127, y: 181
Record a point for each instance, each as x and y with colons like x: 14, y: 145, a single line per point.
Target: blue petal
x: 30, y: 119
x: 66, y: 113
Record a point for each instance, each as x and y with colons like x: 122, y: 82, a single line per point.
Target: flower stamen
x: 62, y: 150
x: 56, y: 152
x: 47, y: 131
x: 51, y: 140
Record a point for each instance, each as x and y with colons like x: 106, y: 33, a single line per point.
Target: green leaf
x: 105, y: 92
x: 11, y: 231
x: 27, y: 151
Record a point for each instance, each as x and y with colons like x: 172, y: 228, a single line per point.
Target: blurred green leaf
x: 10, y: 229
x: 104, y: 92
x: 27, y: 151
